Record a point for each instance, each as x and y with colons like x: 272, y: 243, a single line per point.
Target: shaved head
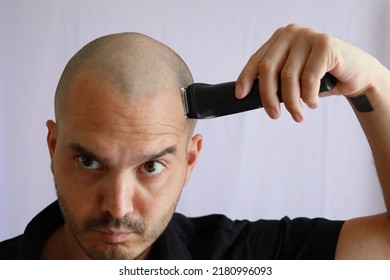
x: 121, y: 149
x: 135, y: 64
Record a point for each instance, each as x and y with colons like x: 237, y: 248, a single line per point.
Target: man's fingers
x: 269, y: 68
x: 318, y: 63
x: 250, y: 72
x: 300, y: 57
x: 245, y: 81
x: 291, y: 77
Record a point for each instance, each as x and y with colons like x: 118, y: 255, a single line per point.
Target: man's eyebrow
x: 166, y: 151
x: 77, y: 148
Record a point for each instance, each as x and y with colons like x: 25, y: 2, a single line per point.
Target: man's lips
x: 113, y: 236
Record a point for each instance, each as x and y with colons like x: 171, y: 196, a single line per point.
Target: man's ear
x: 194, y: 148
x: 51, y: 139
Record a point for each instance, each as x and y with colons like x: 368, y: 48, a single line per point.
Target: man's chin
x: 116, y: 251
x: 100, y: 246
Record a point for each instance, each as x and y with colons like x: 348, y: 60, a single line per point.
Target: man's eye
x: 152, y: 167
x: 89, y: 163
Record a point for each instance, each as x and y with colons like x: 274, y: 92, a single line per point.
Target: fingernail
x: 239, y: 93
x: 272, y: 113
x: 297, y: 117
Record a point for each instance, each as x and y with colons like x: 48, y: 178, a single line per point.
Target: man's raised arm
x: 302, y: 56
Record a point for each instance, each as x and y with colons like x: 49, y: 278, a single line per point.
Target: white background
x: 251, y: 167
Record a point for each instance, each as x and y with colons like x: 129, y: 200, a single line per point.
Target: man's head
x: 121, y: 148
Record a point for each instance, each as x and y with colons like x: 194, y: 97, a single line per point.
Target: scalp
x: 132, y: 62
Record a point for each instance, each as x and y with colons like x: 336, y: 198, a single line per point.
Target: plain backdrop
x: 251, y: 167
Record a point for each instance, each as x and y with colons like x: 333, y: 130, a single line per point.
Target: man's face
x: 119, y: 166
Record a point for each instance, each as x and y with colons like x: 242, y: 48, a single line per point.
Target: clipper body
x: 203, y: 101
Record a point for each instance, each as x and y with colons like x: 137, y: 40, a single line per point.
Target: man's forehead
x: 142, y: 119
x: 97, y: 104
x: 118, y: 137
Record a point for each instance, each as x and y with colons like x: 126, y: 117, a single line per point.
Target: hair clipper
x: 204, y: 101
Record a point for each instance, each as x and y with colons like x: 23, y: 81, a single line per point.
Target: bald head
x: 136, y: 65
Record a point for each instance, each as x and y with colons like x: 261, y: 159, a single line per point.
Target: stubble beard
x: 114, y: 251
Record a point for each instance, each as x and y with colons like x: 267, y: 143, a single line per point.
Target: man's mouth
x: 114, y: 236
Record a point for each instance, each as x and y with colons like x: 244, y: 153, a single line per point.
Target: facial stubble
x: 118, y: 251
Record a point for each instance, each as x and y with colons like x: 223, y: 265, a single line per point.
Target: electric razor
x: 204, y: 101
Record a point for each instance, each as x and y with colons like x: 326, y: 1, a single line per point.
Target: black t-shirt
x: 207, y: 237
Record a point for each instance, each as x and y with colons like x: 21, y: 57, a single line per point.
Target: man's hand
x: 302, y: 56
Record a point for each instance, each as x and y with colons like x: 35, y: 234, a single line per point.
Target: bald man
x: 122, y: 152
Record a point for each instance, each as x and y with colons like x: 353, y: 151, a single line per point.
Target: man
x: 122, y: 152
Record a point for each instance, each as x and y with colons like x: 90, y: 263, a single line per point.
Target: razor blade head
x: 183, y: 92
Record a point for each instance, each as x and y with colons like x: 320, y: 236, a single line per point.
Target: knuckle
x: 323, y: 41
x: 293, y: 27
x: 289, y: 29
x: 266, y: 66
x: 308, y: 83
x: 308, y: 80
x: 254, y: 57
x: 288, y: 74
x: 278, y: 31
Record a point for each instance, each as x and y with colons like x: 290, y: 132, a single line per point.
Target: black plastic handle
x: 203, y: 101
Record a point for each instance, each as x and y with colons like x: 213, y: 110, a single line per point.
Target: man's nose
x: 118, y: 194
